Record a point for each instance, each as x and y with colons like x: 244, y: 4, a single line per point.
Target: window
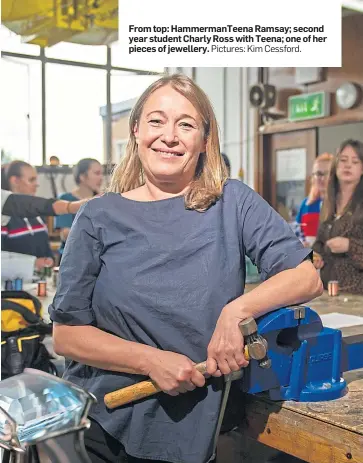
x: 75, y: 107
x: 21, y: 117
x: 13, y: 42
x: 75, y: 52
x: 120, y: 149
x: 126, y: 85
x: 74, y: 97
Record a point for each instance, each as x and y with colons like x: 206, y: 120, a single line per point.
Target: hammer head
x: 248, y: 327
x: 256, y: 345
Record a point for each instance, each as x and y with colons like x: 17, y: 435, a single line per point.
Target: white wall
x: 228, y: 90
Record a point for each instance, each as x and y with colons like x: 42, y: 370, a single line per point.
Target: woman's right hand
x: 318, y: 261
x: 174, y: 373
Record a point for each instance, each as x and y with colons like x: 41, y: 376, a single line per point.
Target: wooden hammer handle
x: 144, y: 389
x: 139, y: 390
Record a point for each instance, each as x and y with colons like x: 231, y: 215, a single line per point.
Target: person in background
x: 88, y: 176
x: 25, y: 235
x: 338, y: 249
x: 307, y: 218
x: 54, y: 161
x: 152, y: 281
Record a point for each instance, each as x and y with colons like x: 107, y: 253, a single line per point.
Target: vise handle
x: 255, y: 347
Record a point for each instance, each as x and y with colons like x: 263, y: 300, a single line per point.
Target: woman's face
x: 170, y: 137
x: 93, y: 178
x: 349, y: 167
x: 27, y: 183
x: 320, y: 174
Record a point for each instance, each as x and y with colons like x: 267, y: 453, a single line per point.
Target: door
x: 288, y: 164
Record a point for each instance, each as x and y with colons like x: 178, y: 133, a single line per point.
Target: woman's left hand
x: 338, y: 245
x: 225, y: 350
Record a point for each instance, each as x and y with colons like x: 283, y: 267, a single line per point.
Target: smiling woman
x: 173, y: 143
x: 152, y: 281
x: 170, y: 138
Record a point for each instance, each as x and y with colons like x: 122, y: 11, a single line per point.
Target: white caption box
x: 230, y: 33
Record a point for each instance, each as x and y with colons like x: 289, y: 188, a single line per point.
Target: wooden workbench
x: 316, y: 432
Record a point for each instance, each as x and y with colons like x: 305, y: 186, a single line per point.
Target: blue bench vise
x: 292, y: 356
x: 306, y: 359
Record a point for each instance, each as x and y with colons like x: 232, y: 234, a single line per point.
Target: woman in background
x: 339, y: 244
x: 308, y: 216
x: 88, y: 176
x: 25, y: 235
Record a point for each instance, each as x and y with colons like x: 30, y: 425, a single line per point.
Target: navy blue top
x: 158, y: 274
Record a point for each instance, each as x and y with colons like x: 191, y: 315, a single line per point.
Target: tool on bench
x: 255, y: 348
x: 297, y: 359
x: 306, y: 359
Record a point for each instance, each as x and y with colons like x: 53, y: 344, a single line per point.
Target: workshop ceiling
x: 48, y: 22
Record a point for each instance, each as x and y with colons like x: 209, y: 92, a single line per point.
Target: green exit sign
x: 308, y: 106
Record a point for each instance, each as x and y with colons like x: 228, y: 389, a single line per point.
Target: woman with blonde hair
x: 152, y: 281
x: 338, y: 250
x: 308, y: 216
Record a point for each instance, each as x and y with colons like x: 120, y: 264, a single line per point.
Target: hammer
x: 255, y: 348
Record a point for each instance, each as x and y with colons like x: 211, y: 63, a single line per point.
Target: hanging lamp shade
x: 48, y: 22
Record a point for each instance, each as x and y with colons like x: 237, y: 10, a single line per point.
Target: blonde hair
x: 211, y: 172
x: 314, y: 193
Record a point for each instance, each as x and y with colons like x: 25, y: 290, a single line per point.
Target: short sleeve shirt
x: 159, y: 274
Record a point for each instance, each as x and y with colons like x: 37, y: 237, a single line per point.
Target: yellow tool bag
x: 22, y: 334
